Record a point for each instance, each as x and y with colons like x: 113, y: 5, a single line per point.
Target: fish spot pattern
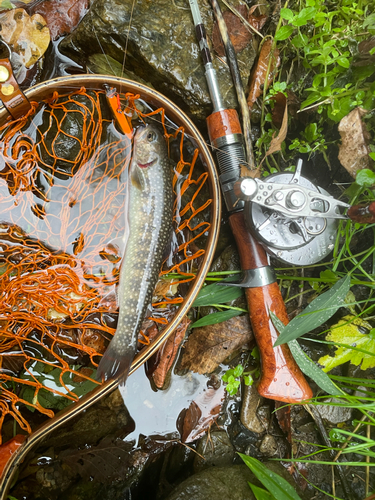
x: 150, y: 219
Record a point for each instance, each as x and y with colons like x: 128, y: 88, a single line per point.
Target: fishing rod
x: 281, y: 378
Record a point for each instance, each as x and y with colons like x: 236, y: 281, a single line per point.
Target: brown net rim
x: 153, y: 97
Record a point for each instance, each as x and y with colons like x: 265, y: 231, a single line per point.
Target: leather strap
x: 12, y: 96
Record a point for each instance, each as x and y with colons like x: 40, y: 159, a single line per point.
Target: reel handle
x: 281, y: 378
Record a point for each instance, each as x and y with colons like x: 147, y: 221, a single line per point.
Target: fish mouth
x: 147, y: 165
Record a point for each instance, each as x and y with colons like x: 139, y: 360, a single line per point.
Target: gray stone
x: 224, y: 483
x: 216, y: 449
x: 268, y: 446
x: 250, y: 404
x: 161, y: 49
x: 334, y: 414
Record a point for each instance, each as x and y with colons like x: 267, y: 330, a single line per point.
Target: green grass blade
x: 307, y: 366
x: 212, y: 319
x: 260, y: 493
x: 217, y: 294
x: 280, y: 488
x: 316, y: 313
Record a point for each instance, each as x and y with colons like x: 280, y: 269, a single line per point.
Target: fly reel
x: 295, y: 220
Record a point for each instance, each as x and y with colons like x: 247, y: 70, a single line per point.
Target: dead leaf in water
x: 259, y: 72
x: 62, y: 16
x: 355, y: 139
x: 167, y: 353
x: 280, y: 138
x: 209, y: 346
x: 201, y: 413
x: 27, y: 36
x: 111, y: 459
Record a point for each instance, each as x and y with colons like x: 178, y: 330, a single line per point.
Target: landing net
x: 62, y: 199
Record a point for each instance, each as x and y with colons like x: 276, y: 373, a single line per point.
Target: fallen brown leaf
x: 86, y: 372
x: 278, y: 109
x: 201, y: 413
x: 62, y: 16
x: 256, y: 22
x: 111, y: 458
x: 259, y: 72
x: 94, y: 339
x: 355, y: 139
x: 168, y: 352
x: 364, y: 58
x: 280, y: 138
x: 254, y: 174
x: 240, y: 36
x: 209, y: 346
x: 27, y: 36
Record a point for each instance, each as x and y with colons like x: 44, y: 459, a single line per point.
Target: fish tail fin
x: 115, y: 365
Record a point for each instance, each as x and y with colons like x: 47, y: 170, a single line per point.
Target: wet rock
x: 216, y: 449
x: 334, y: 414
x: 108, y: 417
x: 216, y: 482
x: 228, y: 260
x: 245, y: 441
x: 249, y: 416
x: 268, y: 447
x: 161, y: 48
x: 53, y: 477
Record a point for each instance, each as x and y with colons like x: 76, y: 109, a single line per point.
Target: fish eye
x: 151, y: 136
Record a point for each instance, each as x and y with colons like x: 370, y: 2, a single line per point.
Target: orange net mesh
x: 62, y: 198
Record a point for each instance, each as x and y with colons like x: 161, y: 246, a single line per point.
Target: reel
x: 295, y: 220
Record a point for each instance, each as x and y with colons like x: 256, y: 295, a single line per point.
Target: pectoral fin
x: 136, y: 178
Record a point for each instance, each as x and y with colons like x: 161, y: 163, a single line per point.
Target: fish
x: 150, y: 213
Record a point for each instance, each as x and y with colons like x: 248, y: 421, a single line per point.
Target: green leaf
x: 341, y: 107
x: 304, y: 16
x: 310, y: 100
x: 300, y: 40
x: 280, y: 488
x: 227, y: 374
x: 348, y: 333
x: 6, y: 4
x: 328, y: 275
x: 311, y: 132
x: 51, y: 378
x: 284, y: 32
x: 307, y: 366
x: 248, y: 380
x: 366, y: 177
x: 238, y: 371
x: 317, y: 312
x: 217, y: 294
x: 214, y: 318
x: 343, y: 61
x: 286, y: 14
x: 260, y: 493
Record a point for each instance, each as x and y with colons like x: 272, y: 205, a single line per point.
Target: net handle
x: 12, y: 96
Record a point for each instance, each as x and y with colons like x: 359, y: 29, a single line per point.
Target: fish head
x: 149, y: 147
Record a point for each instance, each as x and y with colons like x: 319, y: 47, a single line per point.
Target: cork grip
x: 223, y: 123
x: 281, y: 378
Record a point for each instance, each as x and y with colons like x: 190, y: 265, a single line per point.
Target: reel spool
x: 285, y: 216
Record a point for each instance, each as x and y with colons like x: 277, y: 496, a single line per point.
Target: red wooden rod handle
x: 281, y: 379
x: 364, y: 214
